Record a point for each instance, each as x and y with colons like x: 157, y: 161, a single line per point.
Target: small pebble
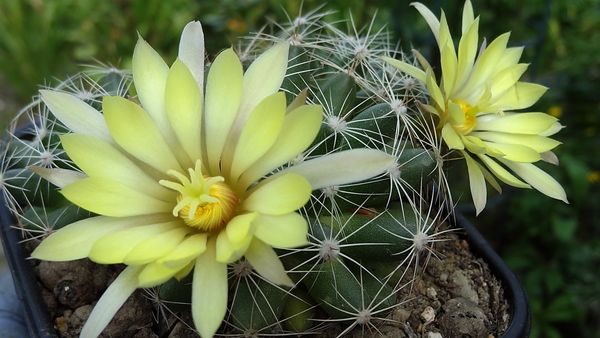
x: 428, y: 314
x: 431, y: 293
x: 400, y: 315
x: 433, y: 335
x: 443, y: 277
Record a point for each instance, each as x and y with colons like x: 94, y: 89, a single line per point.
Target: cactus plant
x: 363, y: 233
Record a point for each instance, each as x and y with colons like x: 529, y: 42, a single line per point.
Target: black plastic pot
x: 41, y: 325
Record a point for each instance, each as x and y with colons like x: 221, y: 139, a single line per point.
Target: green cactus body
x: 256, y: 304
x: 387, y: 236
x: 298, y: 312
x: 298, y: 74
x: 28, y: 188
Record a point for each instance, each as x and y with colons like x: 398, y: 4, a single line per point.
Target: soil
x: 455, y: 296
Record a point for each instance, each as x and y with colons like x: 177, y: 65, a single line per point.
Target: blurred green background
x: 554, y: 247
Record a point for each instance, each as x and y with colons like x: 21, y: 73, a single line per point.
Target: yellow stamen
x: 206, y: 203
x: 470, y: 117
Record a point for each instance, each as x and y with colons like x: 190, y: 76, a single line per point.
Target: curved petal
x: 506, y: 79
x: 262, y: 79
x: 281, y: 195
x: 77, y: 115
x: 94, y: 156
x: 150, y: 77
x: 258, y: 135
x: 404, y: 67
x: 431, y: 19
x: 283, y: 231
x: 156, y: 247
x: 516, y: 152
x: 241, y: 226
x: 209, y: 292
x: 467, y: 50
x: 223, y: 95
x: 265, y: 261
x: 137, y: 133
x: 229, y: 251
x: 522, y: 95
x: 300, y: 128
x: 183, y: 103
x: 191, y: 51
x: 113, y: 248
x: 111, y: 301
x: 477, y: 183
x: 484, y: 67
x: 502, y: 173
x: 538, y: 179
x: 58, y: 176
x: 516, y: 123
x: 111, y: 198
x: 155, y: 274
x: 188, y: 249
x: 453, y: 141
x: 539, y: 143
x: 341, y: 168
x: 75, y: 240
x: 449, y: 64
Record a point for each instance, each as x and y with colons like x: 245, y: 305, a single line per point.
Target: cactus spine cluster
x: 362, y: 236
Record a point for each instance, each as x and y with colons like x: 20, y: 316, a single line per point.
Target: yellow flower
x: 179, y: 181
x: 474, y: 101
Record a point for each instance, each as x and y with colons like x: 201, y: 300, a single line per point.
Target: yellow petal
x: 75, y: 240
x: 404, y: 67
x: 484, y: 67
x: 228, y: 251
x: 113, y: 248
x: 538, y: 179
x: 150, y: 77
x: 183, y: 103
x: 342, y: 167
x: 77, y: 115
x: 451, y: 137
x: 468, y: 16
x: 191, y: 51
x: 505, y: 79
x: 188, y: 249
x: 467, y: 50
x: 155, y: 274
x: 517, y: 123
x: 456, y: 116
x: 516, y: 152
x: 431, y: 19
x: 111, y: 301
x: 278, y: 196
x: 223, y: 95
x: 283, y: 231
x: 57, y: 176
x: 477, y: 183
x: 137, y: 133
x: 265, y: 261
x: 538, y: 143
x: 300, y: 128
x: 209, y: 292
x: 263, y: 78
x: 522, y: 95
x: 258, y: 135
x: 502, y: 173
x: 156, y: 246
x: 449, y: 68
x: 241, y: 226
x: 111, y: 198
x: 434, y: 90
x: 94, y: 156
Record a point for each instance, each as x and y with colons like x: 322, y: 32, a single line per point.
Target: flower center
x: 205, y: 203
x: 470, y: 117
